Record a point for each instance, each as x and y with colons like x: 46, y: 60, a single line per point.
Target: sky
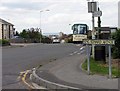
x: 62, y: 14
x: 119, y: 14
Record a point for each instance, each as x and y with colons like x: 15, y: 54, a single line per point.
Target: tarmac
x: 69, y: 70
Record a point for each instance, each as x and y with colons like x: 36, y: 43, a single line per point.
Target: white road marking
x: 82, y: 48
x: 78, y: 53
x: 37, y: 86
x: 82, y: 51
x: 71, y: 54
x: 75, y: 52
x: 78, y: 45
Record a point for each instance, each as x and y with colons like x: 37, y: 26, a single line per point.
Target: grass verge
x: 98, y: 67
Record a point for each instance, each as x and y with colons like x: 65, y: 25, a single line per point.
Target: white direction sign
x: 99, y: 42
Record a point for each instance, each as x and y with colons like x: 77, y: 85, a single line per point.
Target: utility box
x: 100, y: 53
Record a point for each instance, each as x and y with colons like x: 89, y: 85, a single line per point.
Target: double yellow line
x: 24, y: 80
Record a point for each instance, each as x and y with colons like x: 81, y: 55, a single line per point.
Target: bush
x: 46, y: 40
x: 4, y: 42
x: 69, y: 39
x: 116, y: 47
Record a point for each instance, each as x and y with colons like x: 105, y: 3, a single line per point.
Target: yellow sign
x: 95, y: 42
x: 79, y: 37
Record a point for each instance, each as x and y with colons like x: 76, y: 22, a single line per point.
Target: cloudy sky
x: 25, y: 14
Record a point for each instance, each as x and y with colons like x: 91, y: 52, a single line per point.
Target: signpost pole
x: 110, y: 66
x: 93, y: 36
x: 88, y: 60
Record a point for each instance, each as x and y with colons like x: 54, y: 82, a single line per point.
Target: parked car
x: 56, y: 40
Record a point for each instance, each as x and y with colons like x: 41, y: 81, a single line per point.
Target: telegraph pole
x: 99, y: 25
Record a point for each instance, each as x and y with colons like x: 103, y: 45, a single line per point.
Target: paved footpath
x: 69, y: 70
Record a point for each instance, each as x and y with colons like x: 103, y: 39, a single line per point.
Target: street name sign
x: 99, y: 42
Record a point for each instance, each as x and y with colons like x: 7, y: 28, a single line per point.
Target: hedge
x: 4, y: 42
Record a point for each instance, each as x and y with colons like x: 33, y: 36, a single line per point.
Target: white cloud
x: 15, y: 1
x: 73, y: 1
x: 61, y: 14
x: 107, y: 0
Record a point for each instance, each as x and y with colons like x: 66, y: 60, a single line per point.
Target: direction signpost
x: 99, y: 42
x: 102, y: 43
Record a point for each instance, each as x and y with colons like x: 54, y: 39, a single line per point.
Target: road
x: 19, y: 59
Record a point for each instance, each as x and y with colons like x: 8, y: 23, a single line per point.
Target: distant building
x: 61, y: 34
x: 6, y: 29
x: 53, y: 36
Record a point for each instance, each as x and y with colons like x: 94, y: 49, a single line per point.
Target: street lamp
x: 41, y: 24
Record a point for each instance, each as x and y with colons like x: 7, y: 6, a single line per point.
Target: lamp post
x: 41, y: 23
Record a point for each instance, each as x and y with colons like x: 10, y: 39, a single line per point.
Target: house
x: 6, y: 29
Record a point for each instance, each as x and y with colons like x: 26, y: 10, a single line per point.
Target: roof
x: 5, y: 22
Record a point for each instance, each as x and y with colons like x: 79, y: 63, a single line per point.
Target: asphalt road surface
x: 19, y: 59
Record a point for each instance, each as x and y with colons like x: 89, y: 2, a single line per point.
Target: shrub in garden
x: 4, y: 42
x: 116, y: 47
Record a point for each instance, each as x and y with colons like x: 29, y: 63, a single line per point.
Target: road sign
x: 99, y: 42
x: 79, y: 37
x: 97, y: 13
x: 92, y: 7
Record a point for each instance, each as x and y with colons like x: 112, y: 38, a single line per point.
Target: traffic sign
x: 97, y: 13
x: 99, y: 42
x: 92, y: 7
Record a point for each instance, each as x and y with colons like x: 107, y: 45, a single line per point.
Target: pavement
x: 68, y: 71
x: 17, y: 45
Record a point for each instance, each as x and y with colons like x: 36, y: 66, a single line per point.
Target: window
x: 79, y: 28
x: 4, y: 27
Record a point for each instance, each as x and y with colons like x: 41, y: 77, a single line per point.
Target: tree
x: 31, y: 35
x: 16, y: 33
x: 116, y: 47
x: 46, y: 39
x: 24, y: 34
x: 69, y: 38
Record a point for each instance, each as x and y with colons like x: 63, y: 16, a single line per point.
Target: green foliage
x: 116, y: 47
x: 24, y: 34
x: 16, y: 33
x: 46, y: 40
x: 31, y: 36
x: 98, y: 67
x: 69, y: 39
x: 4, y: 42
